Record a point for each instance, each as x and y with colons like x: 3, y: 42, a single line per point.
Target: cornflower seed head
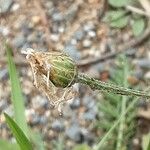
x: 61, y: 68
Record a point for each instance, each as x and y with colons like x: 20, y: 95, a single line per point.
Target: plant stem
x: 103, y: 86
x: 104, y: 139
x: 123, y: 109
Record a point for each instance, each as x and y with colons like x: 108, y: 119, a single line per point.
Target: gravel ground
x: 74, y: 26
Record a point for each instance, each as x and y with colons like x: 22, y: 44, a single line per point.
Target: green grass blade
x: 5, y: 145
x: 21, y: 138
x: 108, y: 134
x: 16, y: 94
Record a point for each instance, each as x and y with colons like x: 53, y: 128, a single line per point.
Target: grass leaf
x: 16, y: 94
x: 21, y: 138
x: 5, y: 145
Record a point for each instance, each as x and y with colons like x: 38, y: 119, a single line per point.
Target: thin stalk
x: 107, y: 135
x: 103, y: 86
x: 123, y: 108
x: 104, y: 139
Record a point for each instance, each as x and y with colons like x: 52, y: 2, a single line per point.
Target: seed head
x: 61, y: 68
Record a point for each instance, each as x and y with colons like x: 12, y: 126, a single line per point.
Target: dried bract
x: 54, y: 73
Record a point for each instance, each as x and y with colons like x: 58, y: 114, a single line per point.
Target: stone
x: 79, y: 34
x: 88, y: 26
x: 91, y: 33
x: 3, y: 74
x: 32, y: 117
x: 87, y: 43
x: 75, y: 103
x: 71, y: 13
x: 4, y: 31
x: 5, y: 5
x: 15, y: 7
x: 19, y: 41
x: 57, y: 16
x: 147, y: 75
x: 3, y: 104
x: 143, y: 63
x: 39, y: 102
x: 58, y: 125
x: 54, y: 37
x: 72, y: 50
x: 89, y: 115
x: 74, y: 133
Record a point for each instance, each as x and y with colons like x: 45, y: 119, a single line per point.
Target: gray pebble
x: 39, y: 102
x: 75, y: 103
x: 79, y: 34
x: 58, y: 125
x: 9, y: 110
x: 4, y: 30
x: 72, y: 50
x: 88, y: 101
x: 5, y: 5
x: 139, y: 74
x: 3, y: 104
x: 89, y: 115
x: 89, y: 26
x: 32, y: 37
x: 71, y: 13
x: 57, y: 16
x: 143, y: 63
x: 3, y: 74
x: 19, y: 41
x: 43, y: 120
x: 74, y: 133
x: 147, y: 75
x: 32, y: 117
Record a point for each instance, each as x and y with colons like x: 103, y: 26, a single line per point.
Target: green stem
x: 123, y: 109
x: 103, y: 86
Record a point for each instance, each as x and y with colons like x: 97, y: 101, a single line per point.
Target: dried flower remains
x: 54, y: 73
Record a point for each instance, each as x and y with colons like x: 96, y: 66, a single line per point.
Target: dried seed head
x: 61, y: 68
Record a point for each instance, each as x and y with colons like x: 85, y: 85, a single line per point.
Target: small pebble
x: 89, y: 115
x: 39, y: 102
x: 91, y: 34
x: 57, y: 16
x: 32, y: 117
x: 5, y: 5
x: 54, y: 37
x: 74, y: 133
x: 79, y: 34
x: 58, y: 125
x: 4, y: 31
x: 75, y: 103
x: 3, y: 74
x: 88, y: 101
x: 15, y: 7
x: 19, y: 41
x: 147, y: 75
x: 71, y: 13
x: 87, y: 43
x: 3, y: 104
x: 72, y: 50
x: 88, y: 26
x: 36, y: 20
x: 143, y: 63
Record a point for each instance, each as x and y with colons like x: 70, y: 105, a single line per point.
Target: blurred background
x: 110, y: 41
